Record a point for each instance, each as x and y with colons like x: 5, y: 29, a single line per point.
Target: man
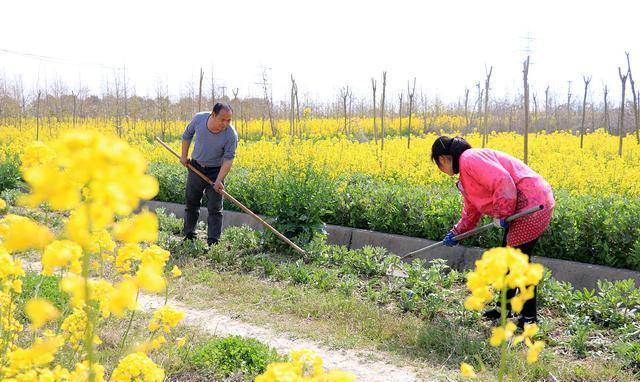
x: 213, y: 153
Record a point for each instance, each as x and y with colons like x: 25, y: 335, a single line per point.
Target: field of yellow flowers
x: 594, y: 170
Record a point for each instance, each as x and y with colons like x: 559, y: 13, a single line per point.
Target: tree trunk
x: 525, y: 72
x: 547, y: 106
x: 384, y: 88
x: 635, y: 99
x: 485, y: 136
x: 623, y: 79
x: 607, y: 122
x: 374, y: 83
x: 411, y: 93
x: 200, y: 90
x: 466, y: 110
x: 584, y: 108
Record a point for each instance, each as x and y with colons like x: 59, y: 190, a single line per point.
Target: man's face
x: 222, y: 120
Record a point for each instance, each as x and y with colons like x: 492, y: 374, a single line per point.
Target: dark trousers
x: 529, y: 309
x: 195, y: 189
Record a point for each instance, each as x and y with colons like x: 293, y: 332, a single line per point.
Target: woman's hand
x: 449, y: 240
x: 500, y: 223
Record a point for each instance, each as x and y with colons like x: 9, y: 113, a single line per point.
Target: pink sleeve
x: 498, y: 181
x: 469, y: 220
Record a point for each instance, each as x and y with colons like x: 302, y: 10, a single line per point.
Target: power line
x: 56, y: 60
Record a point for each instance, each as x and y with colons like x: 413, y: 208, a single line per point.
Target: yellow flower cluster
x: 165, y: 318
x: 304, y: 366
x: 60, y: 254
x: 498, y: 270
x: 40, y: 311
x: 11, y: 273
x: 100, y: 181
x: 18, y: 233
x: 74, y: 328
x: 107, y: 171
x: 137, y: 367
x: 21, y: 361
x: 467, y: 370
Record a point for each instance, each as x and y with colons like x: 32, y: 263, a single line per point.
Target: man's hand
x: 218, y: 186
x: 184, y: 161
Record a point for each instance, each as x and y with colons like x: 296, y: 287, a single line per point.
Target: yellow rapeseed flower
x: 149, y: 277
x: 60, y: 254
x: 534, y: 350
x: 18, y: 233
x: 143, y: 227
x: 40, y: 311
x: 137, y: 367
x: 467, y: 370
x: 176, y: 272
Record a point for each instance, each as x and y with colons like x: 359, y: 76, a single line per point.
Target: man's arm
x: 224, y: 170
x: 184, y: 158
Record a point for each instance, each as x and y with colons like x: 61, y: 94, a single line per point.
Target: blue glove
x: 449, y: 240
x: 500, y: 223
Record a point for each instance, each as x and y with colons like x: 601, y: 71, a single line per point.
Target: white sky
x: 324, y: 44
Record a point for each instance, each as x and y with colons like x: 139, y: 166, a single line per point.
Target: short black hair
x: 449, y: 146
x: 221, y: 106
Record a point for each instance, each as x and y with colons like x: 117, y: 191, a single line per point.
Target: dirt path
x: 366, y: 365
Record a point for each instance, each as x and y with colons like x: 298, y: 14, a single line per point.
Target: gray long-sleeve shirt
x: 210, y: 149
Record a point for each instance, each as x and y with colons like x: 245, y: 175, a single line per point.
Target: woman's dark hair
x: 449, y: 146
x: 220, y: 106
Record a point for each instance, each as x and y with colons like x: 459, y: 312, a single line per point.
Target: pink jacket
x: 496, y: 184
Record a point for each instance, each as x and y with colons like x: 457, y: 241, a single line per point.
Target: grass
x: 352, y: 323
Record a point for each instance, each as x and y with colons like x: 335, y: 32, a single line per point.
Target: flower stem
x: 126, y: 333
x: 503, y: 322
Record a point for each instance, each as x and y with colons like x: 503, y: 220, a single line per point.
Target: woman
x: 496, y: 184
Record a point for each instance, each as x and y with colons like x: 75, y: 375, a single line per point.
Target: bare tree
x: 411, y: 93
x: 18, y: 92
x: 534, y: 126
x: 117, y: 84
x: 635, y: 99
x: 485, y: 136
x: 374, y: 83
x: 623, y: 80
x: 479, y: 105
x: 236, y: 106
x: 400, y: 112
x: 269, y: 102
x: 547, y: 107
x: 569, y: 105
x: 345, y: 95
x: 384, y: 88
x: 584, y: 108
x: 525, y: 72
x: 200, y: 90
x: 125, y: 99
x: 38, y: 115
x: 213, y: 89
x: 294, y: 103
x: 466, y: 109
x: 607, y: 122
x: 425, y: 112
x: 75, y: 101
